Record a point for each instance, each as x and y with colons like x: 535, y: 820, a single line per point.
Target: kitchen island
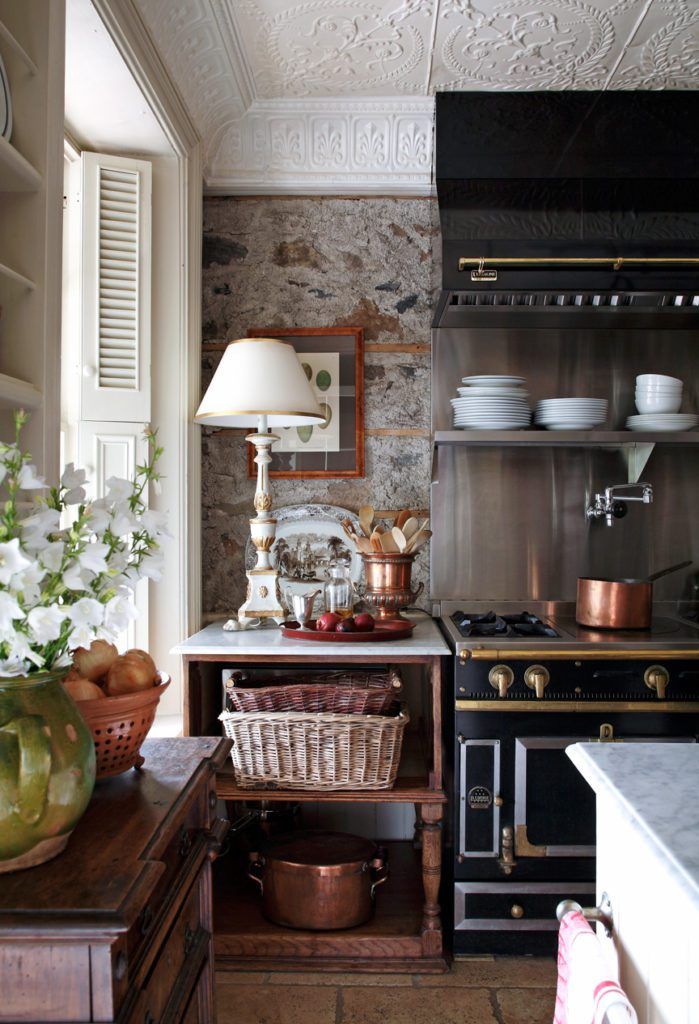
x: 648, y: 865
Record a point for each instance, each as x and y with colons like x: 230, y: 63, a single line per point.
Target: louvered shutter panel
x: 116, y: 288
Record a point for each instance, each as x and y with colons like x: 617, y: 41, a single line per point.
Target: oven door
x: 554, y: 807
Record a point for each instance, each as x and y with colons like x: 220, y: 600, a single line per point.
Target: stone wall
x: 306, y: 262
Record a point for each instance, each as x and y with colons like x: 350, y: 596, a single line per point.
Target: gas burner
x: 522, y: 624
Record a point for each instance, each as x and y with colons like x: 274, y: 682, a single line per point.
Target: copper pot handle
x: 414, y: 594
x: 379, y: 871
x: 256, y: 870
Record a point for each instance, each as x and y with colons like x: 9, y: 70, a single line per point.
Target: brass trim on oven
x: 582, y: 706
x: 576, y: 654
x: 612, y: 262
x: 523, y: 848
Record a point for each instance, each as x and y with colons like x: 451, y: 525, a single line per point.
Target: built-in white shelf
x: 565, y: 438
x: 16, y: 173
x: 18, y: 394
x: 16, y: 277
x: 17, y: 48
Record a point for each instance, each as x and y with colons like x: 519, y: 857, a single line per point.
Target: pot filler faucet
x: 611, y: 508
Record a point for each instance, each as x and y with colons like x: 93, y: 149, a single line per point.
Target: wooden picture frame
x: 342, y: 350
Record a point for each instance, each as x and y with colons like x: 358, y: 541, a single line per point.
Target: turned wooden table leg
x: 431, y: 928
x: 417, y: 828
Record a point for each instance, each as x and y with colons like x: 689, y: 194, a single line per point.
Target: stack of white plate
x: 663, y: 421
x: 492, y: 402
x: 570, y: 413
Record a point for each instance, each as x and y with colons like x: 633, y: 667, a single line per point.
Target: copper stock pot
x: 318, y: 880
x: 618, y: 604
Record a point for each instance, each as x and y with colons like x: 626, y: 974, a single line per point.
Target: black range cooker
x: 527, y: 683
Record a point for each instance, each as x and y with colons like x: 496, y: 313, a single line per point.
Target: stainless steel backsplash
x: 509, y: 522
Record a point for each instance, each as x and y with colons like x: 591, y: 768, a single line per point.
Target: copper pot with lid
x: 318, y: 880
x: 618, y: 604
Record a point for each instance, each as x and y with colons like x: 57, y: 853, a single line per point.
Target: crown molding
x: 325, y: 146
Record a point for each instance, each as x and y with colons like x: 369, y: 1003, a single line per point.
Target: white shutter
x: 116, y: 285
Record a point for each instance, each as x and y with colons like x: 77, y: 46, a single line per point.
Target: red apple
x: 364, y: 622
x: 327, y: 622
x: 347, y: 625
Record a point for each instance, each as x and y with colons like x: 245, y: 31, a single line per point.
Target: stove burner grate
x: 524, y: 624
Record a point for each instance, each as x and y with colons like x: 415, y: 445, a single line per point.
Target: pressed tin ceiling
x: 336, y: 96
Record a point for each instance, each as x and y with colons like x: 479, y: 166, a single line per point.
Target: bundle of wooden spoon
x: 405, y: 538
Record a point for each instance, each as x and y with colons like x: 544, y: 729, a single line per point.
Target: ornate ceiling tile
x: 664, y: 52
x: 531, y: 44
x: 335, y: 47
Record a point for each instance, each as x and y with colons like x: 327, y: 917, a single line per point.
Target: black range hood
x: 569, y: 189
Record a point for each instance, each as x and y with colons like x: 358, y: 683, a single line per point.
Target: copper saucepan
x: 618, y: 604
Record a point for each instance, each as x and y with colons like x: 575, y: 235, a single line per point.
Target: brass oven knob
x: 516, y: 910
x: 537, y: 678
x: 501, y: 678
x: 656, y: 677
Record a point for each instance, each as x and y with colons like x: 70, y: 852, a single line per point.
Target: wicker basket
x: 319, y: 699
x: 354, y: 679
x: 296, y: 750
x: 119, y: 725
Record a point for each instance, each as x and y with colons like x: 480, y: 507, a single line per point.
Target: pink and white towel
x: 588, y: 990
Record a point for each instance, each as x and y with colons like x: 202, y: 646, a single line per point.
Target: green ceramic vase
x: 47, y: 769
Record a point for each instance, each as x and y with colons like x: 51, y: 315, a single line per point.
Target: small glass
x: 339, y: 592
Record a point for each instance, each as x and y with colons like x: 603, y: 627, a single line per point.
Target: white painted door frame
x: 175, y: 393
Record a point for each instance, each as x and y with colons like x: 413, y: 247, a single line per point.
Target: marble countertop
x: 655, y: 786
x: 426, y: 640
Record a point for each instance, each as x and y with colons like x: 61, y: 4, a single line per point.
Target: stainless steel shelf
x: 565, y: 438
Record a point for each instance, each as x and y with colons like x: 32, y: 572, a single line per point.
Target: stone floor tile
x: 279, y: 1004
x: 415, y: 1006
x: 511, y: 972
x: 343, y: 980
x: 526, y: 1006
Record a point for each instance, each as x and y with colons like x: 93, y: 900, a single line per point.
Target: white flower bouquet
x: 63, y: 586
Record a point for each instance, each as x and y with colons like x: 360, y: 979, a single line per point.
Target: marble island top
x: 426, y: 640
x: 655, y: 787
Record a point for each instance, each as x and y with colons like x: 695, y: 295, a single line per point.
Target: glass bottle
x: 339, y: 593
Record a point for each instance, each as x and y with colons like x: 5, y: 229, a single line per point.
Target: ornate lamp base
x: 263, y: 600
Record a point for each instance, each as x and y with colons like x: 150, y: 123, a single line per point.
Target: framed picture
x: 333, y: 358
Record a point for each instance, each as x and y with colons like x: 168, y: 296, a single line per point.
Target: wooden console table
x: 118, y: 928
x: 406, y: 932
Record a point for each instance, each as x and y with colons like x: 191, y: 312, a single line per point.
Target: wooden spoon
x: 375, y: 541
x: 364, y: 545
x: 410, y: 526
x: 399, y: 538
x: 402, y: 518
x: 388, y: 543
x: 366, y: 519
x: 418, y: 540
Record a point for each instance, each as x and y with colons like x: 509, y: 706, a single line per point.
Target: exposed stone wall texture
x: 315, y: 262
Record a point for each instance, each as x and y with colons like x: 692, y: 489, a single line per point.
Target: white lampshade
x: 259, y: 377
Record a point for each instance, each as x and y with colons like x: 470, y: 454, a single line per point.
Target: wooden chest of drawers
x: 118, y: 928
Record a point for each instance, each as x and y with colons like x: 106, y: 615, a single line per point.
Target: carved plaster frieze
x: 326, y: 146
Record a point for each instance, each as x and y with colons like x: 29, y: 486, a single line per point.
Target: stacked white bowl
x: 658, y: 400
x: 570, y: 413
x: 492, y: 402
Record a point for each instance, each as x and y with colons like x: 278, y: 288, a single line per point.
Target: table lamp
x: 260, y: 381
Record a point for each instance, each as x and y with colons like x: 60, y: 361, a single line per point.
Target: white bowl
x: 655, y: 379
x: 651, y: 403
x: 652, y: 389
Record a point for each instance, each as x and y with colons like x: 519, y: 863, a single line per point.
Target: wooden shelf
x: 407, y: 790
x: 16, y: 277
x: 16, y: 173
x: 565, y: 438
x: 18, y: 394
x: 17, y: 48
x: 391, y: 940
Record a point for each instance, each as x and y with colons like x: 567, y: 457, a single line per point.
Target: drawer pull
x: 146, y: 920
x: 189, y: 936
x: 516, y: 910
x: 185, y: 842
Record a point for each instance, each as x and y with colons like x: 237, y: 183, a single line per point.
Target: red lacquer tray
x: 394, y: 630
